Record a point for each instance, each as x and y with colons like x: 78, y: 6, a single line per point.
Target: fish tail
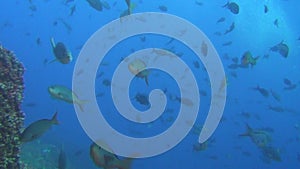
x: 52, y: 42
x: 54, y: 118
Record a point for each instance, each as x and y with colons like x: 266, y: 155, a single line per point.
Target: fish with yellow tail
x: 107, y: 160
x: 63, y: 93
x: 138, y: 68
x: 38, y: 128
x: 62, y: 54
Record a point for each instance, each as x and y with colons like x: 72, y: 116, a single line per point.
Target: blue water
x: 20, y: 27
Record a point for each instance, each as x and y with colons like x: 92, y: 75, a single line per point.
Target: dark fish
x: 231, y: 28
x: 247, y: 59
x: 199, y: 3
x: 96, y: 4
x: 38, y: 128
x: 276, y: 108
x: 72, y: 10
x: 233, y: 7
x: 62, y: 160
x: 33, y: 8
x: 222, y: 19
x: 276, y: 23
x: 61, y: 53
x: 281, y: 48
x: 264, y: 92
x: 196, y: 64
x: 227, y: 43
x: 106, y: 82
x: 163, y: 8
x: 266, y: 9
x: 38, y: 41
x: 287, y: 82
x: 143, y: 38
x: 142, y: 99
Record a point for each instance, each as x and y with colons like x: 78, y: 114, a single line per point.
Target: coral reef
x: 11, y: 116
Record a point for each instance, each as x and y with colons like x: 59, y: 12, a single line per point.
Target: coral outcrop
x: 11, y: 116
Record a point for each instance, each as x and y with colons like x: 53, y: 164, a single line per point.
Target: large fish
x: 281, y: 48
x: 233, y: 7
x: 107, y: 160
x: 260, y: 138
x: 63, y: 93
x: 96, y: 4
x: 62, y: 54
x: 38, y: 128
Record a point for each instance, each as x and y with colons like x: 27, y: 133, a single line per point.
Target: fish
x: 260, y: 138
x: 287, y: 82
x: 276, y: 23
x: 247, y: 59
x: 233, y: 7
x: 227, y: 43
x: 96, y: 4
x: 264, y: 92
x: 65, y: 94
x: 163, y: 8
x: 142, y: 99
x: 276, y: 108
x: 281, y: 48
x: 72, y: 10
x: 107, y: 160
x: 199, y: 3
x: 222, y: 19
x: 204, y: 49
x: 230, y: 29
x: 62, y: 160
x: 38, y: 41
x: 138, y: 68
x: 61, y: 53
x: 266, y: 9
x: 38, y: 128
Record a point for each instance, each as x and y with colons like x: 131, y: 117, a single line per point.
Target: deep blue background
x: 255, y: 31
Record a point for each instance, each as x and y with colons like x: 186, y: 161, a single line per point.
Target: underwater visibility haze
x: 258, y: 46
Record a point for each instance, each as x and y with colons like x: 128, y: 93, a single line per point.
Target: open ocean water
x: 258, y: 43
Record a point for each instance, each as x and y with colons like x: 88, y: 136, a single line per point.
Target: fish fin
x: 52, y: 42
x: 54, y: 119
x: 224, y: 6
x: 125, y: 164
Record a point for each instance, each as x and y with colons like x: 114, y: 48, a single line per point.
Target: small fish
x: 204, y: 49
x: 198, y: 3
x: 222, y: 19
x: 196, y: 64
x: 266, y: 9
x: 62, y: 160
x: 38, y: 41
x: 287, y: 82
x: 227, y: 43
x: 276, y: 108
x: 38, y: 128
x: 107, y: 160
x: 230, y: 29
x: 72, y: 10
x: 61, y: 53
x: 96, y: 4
x: 63, y: 93
x: 247, y: 59
x: 233, y: 7
x: 264, y: 92
x: 142, y: 99
x: 163, y: 8
x: 276, y: 23
x: 281, y: 48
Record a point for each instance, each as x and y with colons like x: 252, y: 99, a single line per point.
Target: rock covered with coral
x: 11, y: 116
